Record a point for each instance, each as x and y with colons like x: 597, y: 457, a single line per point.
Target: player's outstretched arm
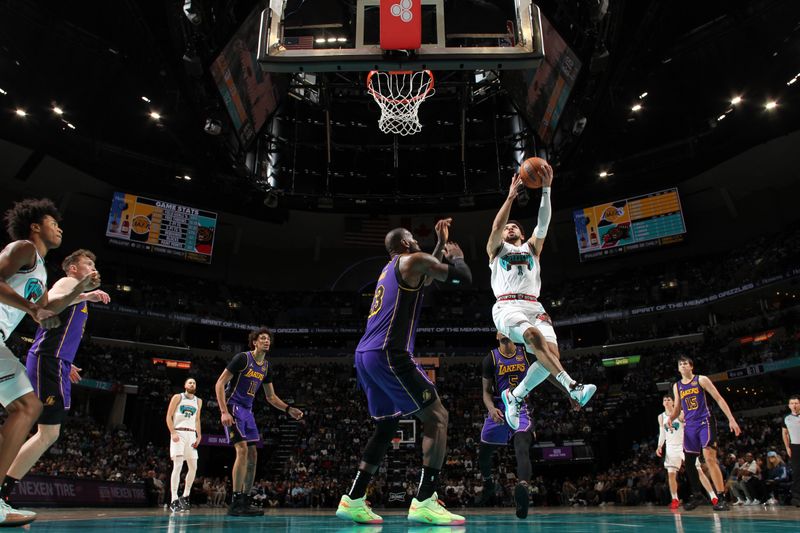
x: 543, y: 219
x: 66, y: 291
x: 501, y: 219
x: 421, y: 265
x: 277, y: 403
x: 712, y: 390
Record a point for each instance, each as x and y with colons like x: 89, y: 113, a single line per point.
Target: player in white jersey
x: 183, y: 421
x: 672, y: 436
x: 33, y: 224
x: 518, y: 314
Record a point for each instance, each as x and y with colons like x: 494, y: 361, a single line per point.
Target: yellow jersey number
x: 253, y: 388
x: 691, y: 403
x: 377, y: 301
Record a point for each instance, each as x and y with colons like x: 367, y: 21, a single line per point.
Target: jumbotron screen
x: 636, y: 223
x: 161, y: 227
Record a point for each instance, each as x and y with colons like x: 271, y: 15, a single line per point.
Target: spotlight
x: 721, y: 117
x: 70, y: 125
x: 321, y: 40
x: 735, y: 100
x: 342, y: 39
x: 213, y: 126
x: 3, y: 91
x: 772, y: 104
x: 643, y: 95
x: 155, y: 116
x: 146, y: 99
x: 790, y: 82
x: 57, y: 110
x: 21, y: 112
x: 187, y: 178
x: 603, y: 174
x: 637, y: 107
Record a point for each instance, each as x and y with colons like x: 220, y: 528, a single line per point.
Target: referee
x: 791, y: 439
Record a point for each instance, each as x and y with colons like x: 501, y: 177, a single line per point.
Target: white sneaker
x: 748, y: 501
x: 582, y: 393
x: 512, y: 404
x: 772, y: 501
x: 738, y: 502
x: 14, y: 517
x: 756, y: 502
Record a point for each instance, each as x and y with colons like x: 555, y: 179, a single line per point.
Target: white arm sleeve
x: 662, y: 434
x: 540, y: 232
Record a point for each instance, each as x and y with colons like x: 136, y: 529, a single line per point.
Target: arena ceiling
x: 109, y: 65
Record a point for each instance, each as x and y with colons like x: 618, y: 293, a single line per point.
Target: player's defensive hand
x: 453, y: 251
x: 443, y: 229
x: 226, y: 419
x: 74, y: 374
x: 734, y: 427
x: 90, y: 282
x: 295, y: 413
x: 546, y: 173
x: 515, y: 188
x: 45, y: 318
x: 98, y: 296
x: 497, y: 415
x: 175, y: 437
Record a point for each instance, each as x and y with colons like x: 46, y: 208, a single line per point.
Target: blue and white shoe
x: 513, y: 405
x: 582, y: 393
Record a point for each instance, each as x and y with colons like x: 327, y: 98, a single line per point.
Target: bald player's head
x: 400, y: 241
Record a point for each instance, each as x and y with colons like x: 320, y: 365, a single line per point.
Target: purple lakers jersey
x: 241, y: 390
x: 393, y: 316
x: 506, y: 371
x: 62, y: 342
x: 693, y: 401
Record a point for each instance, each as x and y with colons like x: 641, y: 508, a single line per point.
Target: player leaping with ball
x: 516, y: 282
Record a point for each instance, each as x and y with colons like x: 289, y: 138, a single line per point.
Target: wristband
x: 287, y: 409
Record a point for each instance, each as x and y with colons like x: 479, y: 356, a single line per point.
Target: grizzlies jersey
x: 62, y: 342
x: 241, y: 390
x: 505, y: 371
x: 694, y: 401
x: 31, y: 284
x: 515, y: 270
x: 393, y: 316
x: 673, y: 435
x: 186, y: 413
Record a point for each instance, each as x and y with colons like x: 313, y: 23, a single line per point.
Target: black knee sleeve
x: 485, y: 454
x: 691, y: 472
x: 376, y: 448
x: 522, y: 449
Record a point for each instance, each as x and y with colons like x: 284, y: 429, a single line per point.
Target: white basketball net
x: 399, y: 94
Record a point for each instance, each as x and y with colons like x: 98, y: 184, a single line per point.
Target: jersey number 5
x: 377, y: 301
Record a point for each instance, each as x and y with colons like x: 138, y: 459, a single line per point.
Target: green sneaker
x: 357, y: 510
x: 432, y: 511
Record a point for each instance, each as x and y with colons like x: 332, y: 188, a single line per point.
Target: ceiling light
x: 187, y: 178
x: 331, y: 39
x: 146, y: 99
x: 70, y: 125
x: 643, y: 95
x: 154, y: 115
x: 736, y: 99
x: 791, y: 81
x: 3, y: 91
x: 603, y: 174
x: 342, y: 39
x: 20, y: 112
x: 772, y: 104
x: 321, y: 40
x: 57, y: 110
x: 637, y: 107
x: 721, y: 117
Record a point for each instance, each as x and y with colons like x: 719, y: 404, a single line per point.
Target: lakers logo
x: 50, y: 401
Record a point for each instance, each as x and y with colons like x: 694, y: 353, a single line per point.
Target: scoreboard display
x: 636, y: 223
x: 161, y: 227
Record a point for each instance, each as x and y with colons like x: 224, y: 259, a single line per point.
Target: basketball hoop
x: 396, y: 443
x: 399, y: 94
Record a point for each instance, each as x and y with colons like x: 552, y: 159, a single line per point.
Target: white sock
x: 565, y: 380
x: 536, y: 374
x: 674, y: 495
x: 711, y: 494
x: 175, y: 480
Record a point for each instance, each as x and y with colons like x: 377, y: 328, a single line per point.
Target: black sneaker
x: 175, y: 506
x: 185, y: 505
x: 721, y: 505
x: 692, y: 503
x: 522, y: 500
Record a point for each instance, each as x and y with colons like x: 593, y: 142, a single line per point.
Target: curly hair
x: 254, y: 335
x: 19, y: 218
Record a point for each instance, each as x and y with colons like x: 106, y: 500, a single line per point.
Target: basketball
x: 528, y: 172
